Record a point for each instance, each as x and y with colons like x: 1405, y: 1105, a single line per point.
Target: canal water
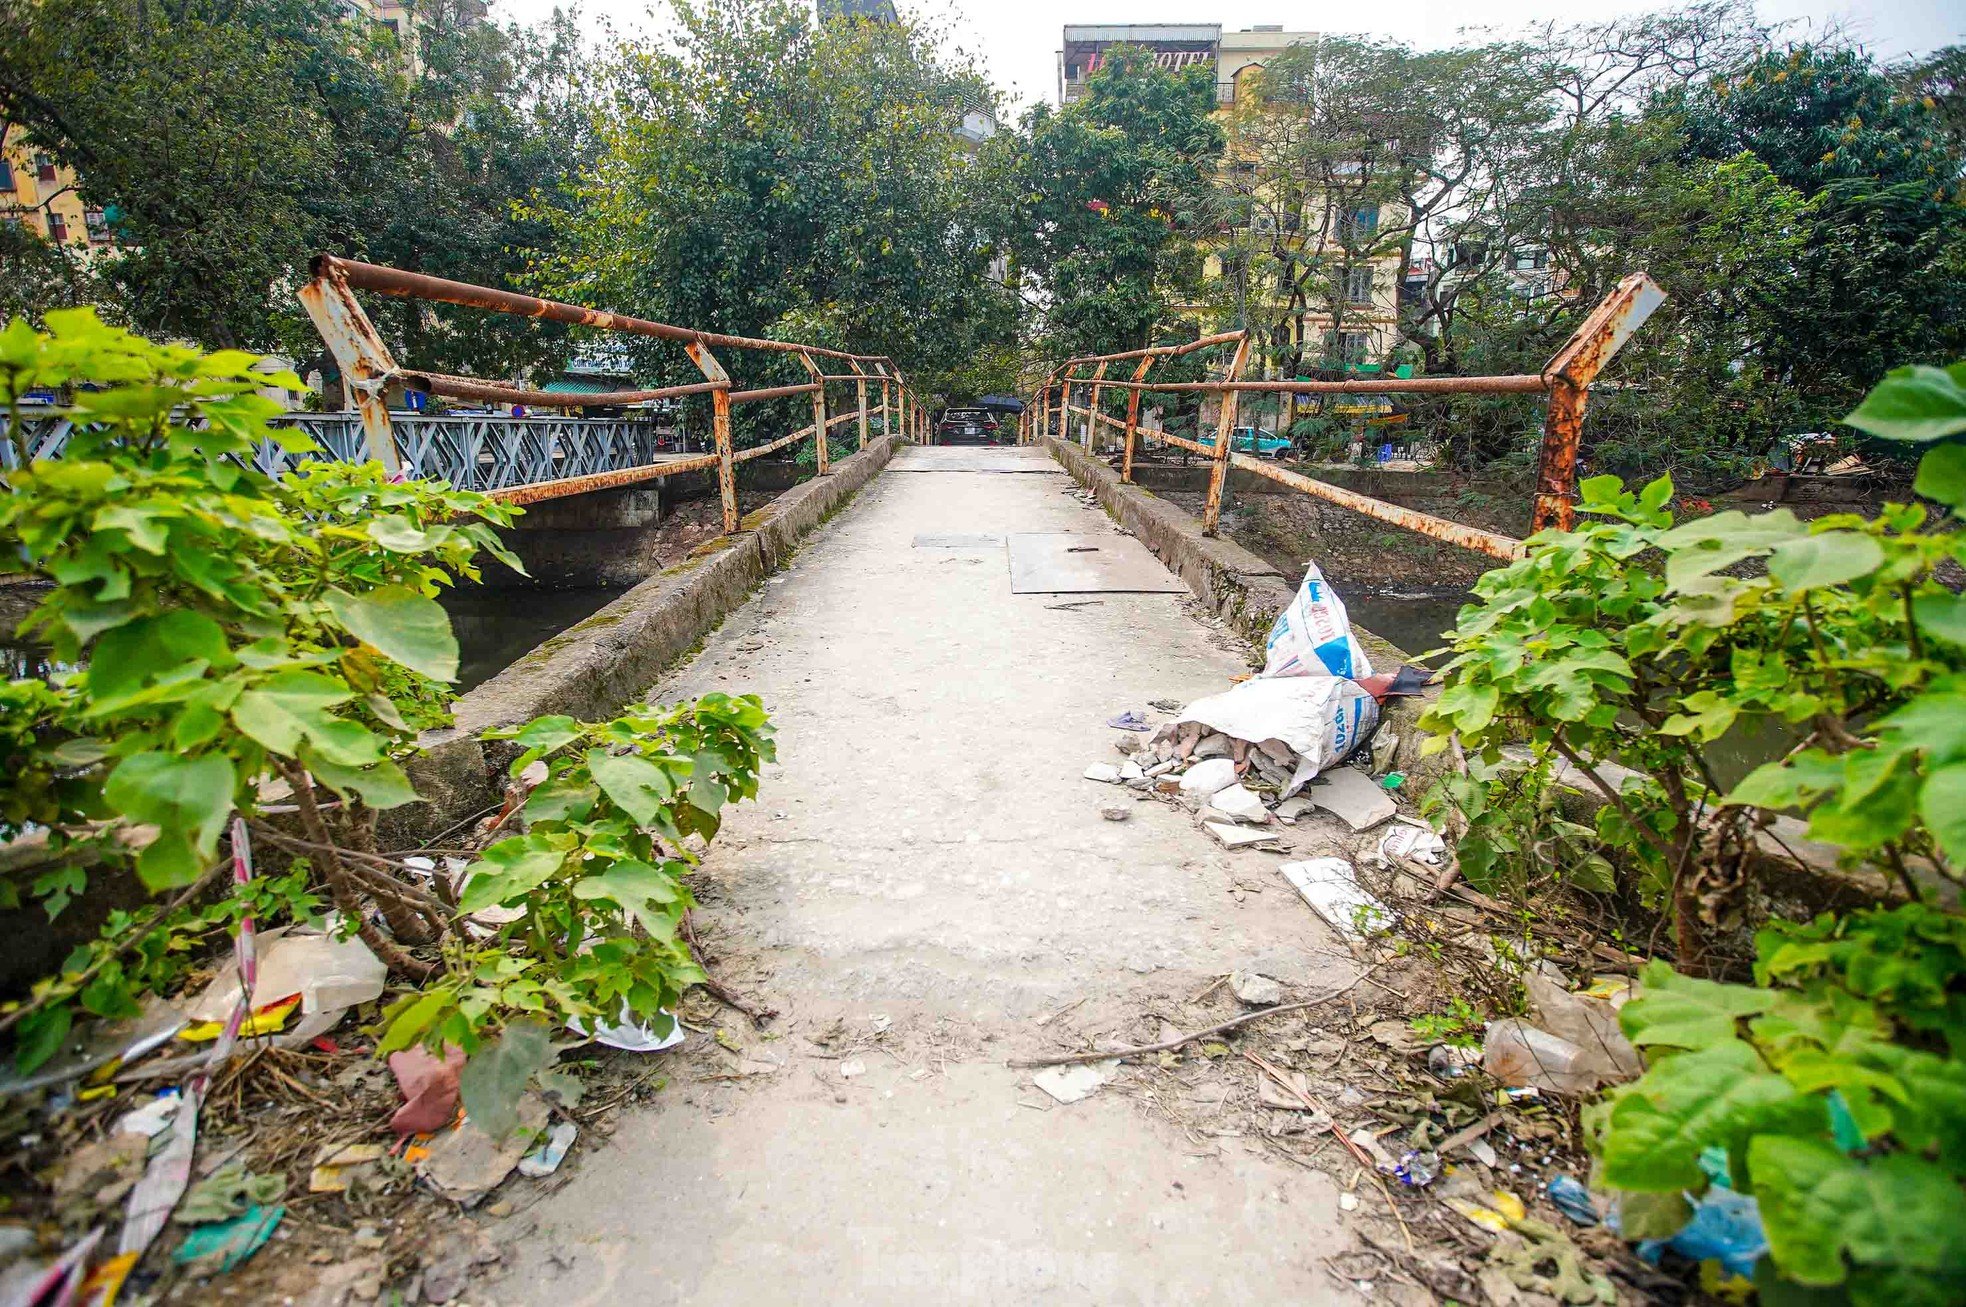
x: 498, y: 626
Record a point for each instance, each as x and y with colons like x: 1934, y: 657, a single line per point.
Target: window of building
x: 6, y: 176
x: 1532, y: 260
x: 1358, y: 286
x: 57, y: 229
x: 44, y: 166
x: 1359, y: 224
x: 1348, y: 348
x: 98, y: 225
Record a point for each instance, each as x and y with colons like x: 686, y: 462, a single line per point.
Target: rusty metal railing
x: 1566, y: 380
x: 367, y: 370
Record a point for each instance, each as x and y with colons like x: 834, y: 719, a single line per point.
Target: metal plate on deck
x: 1056, y: 563
x: 959, y: 542
x: 972, y: 458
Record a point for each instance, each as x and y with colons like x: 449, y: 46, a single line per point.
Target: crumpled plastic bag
x: 429, y: 1089
x: 1313, y: 635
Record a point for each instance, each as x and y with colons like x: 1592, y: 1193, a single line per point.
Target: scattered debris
x: 1353, y: 796
x: 1103, y: 772
x: 1069, y: 1084
x: 1419, y: 1169
x: 429, y: 1089
x: 546, y: 1159
x: 1130, y: 720
x: 465, y: 1164
x: 1254, y: 989
x: 1201, y: 782
x: 336, y: 1169
x: 1113, y: 813
x: 1237, y: 837
x: 1572, y: 1199
x: 228, y: 1192
x: 222, y: 1245
x: 1238, y: 804
x: 1413, y: 843
x: 1517, y: 1053
x: 153, y: 1117
x: 1331, y: 888
x: 660, y: 1032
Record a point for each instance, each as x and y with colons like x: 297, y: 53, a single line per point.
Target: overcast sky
x: 1018, y: 40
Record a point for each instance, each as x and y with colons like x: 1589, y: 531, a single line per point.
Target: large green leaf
x: 411, y: 628
x: 382, y: 785
x: 1830, y: 559
x: 1686, y: 1011
x: 637, y: 785
x: 495, y: 1079
x: 1819, y: 1206
x: 1942, y: 615
x: 1942, y: 475
x: 1915, y: 404
x: 136, y: 652
x: 1942, y: 803
x: 513, y: 867
x: 189, y: 795
x: 279, y: 711
x: 1718, y: 1095
x: 637, y: 888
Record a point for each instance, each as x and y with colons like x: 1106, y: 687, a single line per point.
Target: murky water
x: 497, y: 627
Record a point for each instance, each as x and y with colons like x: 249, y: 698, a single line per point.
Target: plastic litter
x: 222, y: 1245
x: 1130, y: 720
x: 153, y: 1117
x: 328, y: 973
x: 335, y: 1169
x: 1413, y: 843
x: 1589, y: 1022
x: 1331, y: 888
x: 1726, y: 1227
x: 1313, y: 636
x: 1419, y: 1169
x: 1572, y: 1199
x: 429, y: 1088
x: 1518, y: 1053
x: 228, y: 1192
x: 632, y: 1036
x: 545, y: 1159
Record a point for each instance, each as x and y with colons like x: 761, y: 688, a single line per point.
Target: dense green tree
x: 1105, y: 197
x: 769, y: 175
x: 235, y: 138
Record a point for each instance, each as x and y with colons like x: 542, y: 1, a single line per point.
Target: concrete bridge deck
x: 925, y: 877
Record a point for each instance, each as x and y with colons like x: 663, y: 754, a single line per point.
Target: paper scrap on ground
x: 1412, y: 842
x: 634, y: 1036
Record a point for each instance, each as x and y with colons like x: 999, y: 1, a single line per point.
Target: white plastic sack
x: 1321, y: 719
x: 1313, y: 636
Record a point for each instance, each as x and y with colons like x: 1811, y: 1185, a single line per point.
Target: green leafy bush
x: 1835, y: 1089
x: 268, y: 649
x: 1615, y: 655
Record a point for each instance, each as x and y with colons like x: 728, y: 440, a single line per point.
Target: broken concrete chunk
x: 1355, y: 797
x: 1201, y: 781
x: 1239, y: 804
x: 1215, y: 745
x: 465, y: 1164
x: 1237, y: 837
x: 1104, y: 772
x: 1114, y: 813
x: 1255, y: 990
x: 1295, y: 807
x: 1130, y: 771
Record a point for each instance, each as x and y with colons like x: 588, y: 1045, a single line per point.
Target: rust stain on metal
x: 437, y: 383
x: 1517, y: 385
x: 1218, y: 476
x: 1569, y: 376
x: 1437, y: 528
x: 1133, y: 418
x: 580, y: 485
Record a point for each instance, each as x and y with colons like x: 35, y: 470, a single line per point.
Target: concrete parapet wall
x: 593, y: 669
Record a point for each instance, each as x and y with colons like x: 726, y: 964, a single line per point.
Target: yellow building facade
x: 39, y: 194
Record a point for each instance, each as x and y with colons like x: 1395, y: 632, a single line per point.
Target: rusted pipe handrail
x: 417, y: 285
x: 367, y: 370
x: 773, y: 392
x: 438, y: 383
x: 1566, y: 380
x: 1155, y: 351
x: 1514, y: 384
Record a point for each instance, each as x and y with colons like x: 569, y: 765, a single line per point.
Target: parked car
x: 1255, y: 440
x: 960, y: 424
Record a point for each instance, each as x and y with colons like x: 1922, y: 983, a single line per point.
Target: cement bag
x: 1321, y: 719
x: 1313, y: 636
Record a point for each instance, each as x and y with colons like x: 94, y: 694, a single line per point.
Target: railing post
x: 1092, y: 415
x: 1133, y: 418
x: 818, y: 411
x: 362, y: 357
x: 1569, y: 375
x: 860, y: 390
x: 1065, y: 405
x: 712, y: 370
x: 1225, y: 422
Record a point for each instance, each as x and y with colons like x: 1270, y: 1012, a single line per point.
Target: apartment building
x: 39, y: 194
x: 1366, y: 329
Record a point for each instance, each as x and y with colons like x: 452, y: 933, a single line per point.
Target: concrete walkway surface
x: 924, y: 880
